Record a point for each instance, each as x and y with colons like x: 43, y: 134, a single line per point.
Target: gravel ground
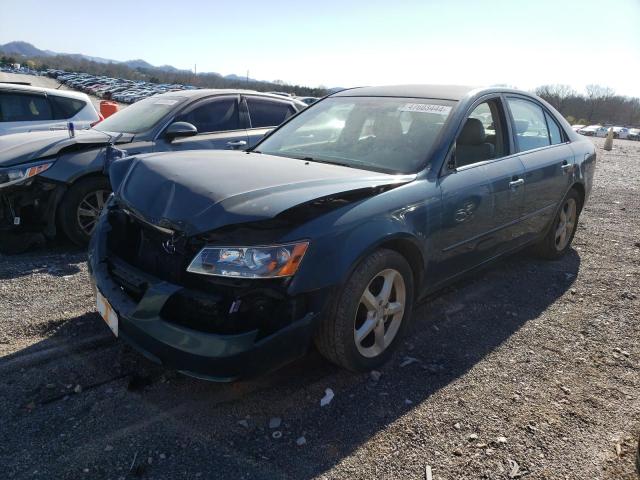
x: 526, y: 370
x: 47, y: 82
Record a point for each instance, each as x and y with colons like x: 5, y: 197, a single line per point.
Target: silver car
x: 24, y: 108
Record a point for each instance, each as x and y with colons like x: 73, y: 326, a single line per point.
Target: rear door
x: 548, y: 161
x: 482, y: 196
x: 264, y: 114
x: 218, y: 122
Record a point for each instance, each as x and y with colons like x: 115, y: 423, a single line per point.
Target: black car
x: 54, y: 180
x: 225, y: 264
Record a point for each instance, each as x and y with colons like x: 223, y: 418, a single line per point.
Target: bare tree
x: 556, y: 95
x: 597, y: 96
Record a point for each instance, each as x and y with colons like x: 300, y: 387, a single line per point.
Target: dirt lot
x: 527, y: 370
x: 47, y: 82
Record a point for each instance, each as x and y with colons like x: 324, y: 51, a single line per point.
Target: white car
x: 602, y: 131
x: 634, y: 134
x: 590, y: 131
x: 24, y: 108
x: 620, y: 132
x: 576, y: 128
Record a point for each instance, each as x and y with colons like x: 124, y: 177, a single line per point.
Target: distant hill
x: 28, y: 50
x: 24, y: 48
x: 139, y: 69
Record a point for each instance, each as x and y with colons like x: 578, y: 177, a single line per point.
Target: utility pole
x: 247, y: 77
x: 195, y: 69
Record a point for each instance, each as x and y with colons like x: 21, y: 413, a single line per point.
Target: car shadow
x: 226, y: 426
x: 58, y: 257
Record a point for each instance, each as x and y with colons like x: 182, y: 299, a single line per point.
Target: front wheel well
x: 412, y: 254
x: 578, y: 187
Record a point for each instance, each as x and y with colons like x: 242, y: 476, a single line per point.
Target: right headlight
x: 250, y: 262
x: 20, y: 173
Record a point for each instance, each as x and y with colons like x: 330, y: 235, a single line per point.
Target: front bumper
x: 142, y: 323
x: 30, y: 206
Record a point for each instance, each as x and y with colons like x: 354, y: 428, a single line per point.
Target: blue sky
x: 341, y: 43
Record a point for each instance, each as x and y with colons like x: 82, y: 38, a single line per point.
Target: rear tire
x: 370, y: 314
x: 80, y: 208
x: 558, y: 239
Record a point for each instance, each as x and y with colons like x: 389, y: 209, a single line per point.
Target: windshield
x: 139, y: 117
x: 392, y: 135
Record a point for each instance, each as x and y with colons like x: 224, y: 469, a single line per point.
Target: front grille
x: 207, y: 304
x: 142, y: 246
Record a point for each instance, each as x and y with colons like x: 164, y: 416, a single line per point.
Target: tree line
x: 598, y: 105
x: 156, y: 75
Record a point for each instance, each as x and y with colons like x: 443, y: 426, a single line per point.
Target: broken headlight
x: 250, y: 262
x: 20, y: 173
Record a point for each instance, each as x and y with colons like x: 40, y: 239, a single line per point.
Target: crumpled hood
x: 26, y: 147
x: 199, y: 191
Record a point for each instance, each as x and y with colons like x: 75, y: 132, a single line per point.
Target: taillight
x: 100, y: 118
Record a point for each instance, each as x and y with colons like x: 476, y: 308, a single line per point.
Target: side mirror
x: 179, y: 130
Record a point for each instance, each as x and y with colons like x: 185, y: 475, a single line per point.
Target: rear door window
x: 64, y: 107
x: 529, y: 124
x: 265, y: 112
x: 20, y: 107
x: 217, y: 115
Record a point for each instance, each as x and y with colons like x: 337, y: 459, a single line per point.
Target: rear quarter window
x: 64, y: 107
x: 555, y: 134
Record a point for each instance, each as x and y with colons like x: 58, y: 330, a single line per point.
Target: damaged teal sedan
x: 226, y: 264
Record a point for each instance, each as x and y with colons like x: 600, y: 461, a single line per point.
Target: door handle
x: 516, y: 183
x: 237, y: 143
x: 566, y: 166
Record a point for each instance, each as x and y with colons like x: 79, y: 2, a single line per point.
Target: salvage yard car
x: 227, y: 264
x: 53, y: 180
x: 24, y: 108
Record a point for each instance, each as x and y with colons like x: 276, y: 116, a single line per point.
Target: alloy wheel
x: 89, y: 210
x: 566, y: 223
x: 379, y: 313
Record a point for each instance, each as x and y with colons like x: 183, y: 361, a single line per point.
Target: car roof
x: 51, y: 91
x: 439, y: 92
x: 205, y: 92
x: 443, y: 92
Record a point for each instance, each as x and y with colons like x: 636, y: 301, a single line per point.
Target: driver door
x: 219, y: 126
x: 481, y: 194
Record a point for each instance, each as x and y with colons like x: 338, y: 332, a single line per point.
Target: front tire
x: 81, y: 206
x: 558, y: 239
x: 370, y: 315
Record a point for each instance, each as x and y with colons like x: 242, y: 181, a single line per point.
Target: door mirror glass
x: 180, y: 129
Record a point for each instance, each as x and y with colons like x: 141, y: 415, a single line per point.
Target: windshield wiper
x: 330, y: 162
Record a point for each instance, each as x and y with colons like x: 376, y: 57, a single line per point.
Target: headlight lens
x: 20, y: 173
x: 250, y: 262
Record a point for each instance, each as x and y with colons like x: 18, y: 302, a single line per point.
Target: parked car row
x: 602, y: 131
x: 130, y: 91
x: 121, y: 90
